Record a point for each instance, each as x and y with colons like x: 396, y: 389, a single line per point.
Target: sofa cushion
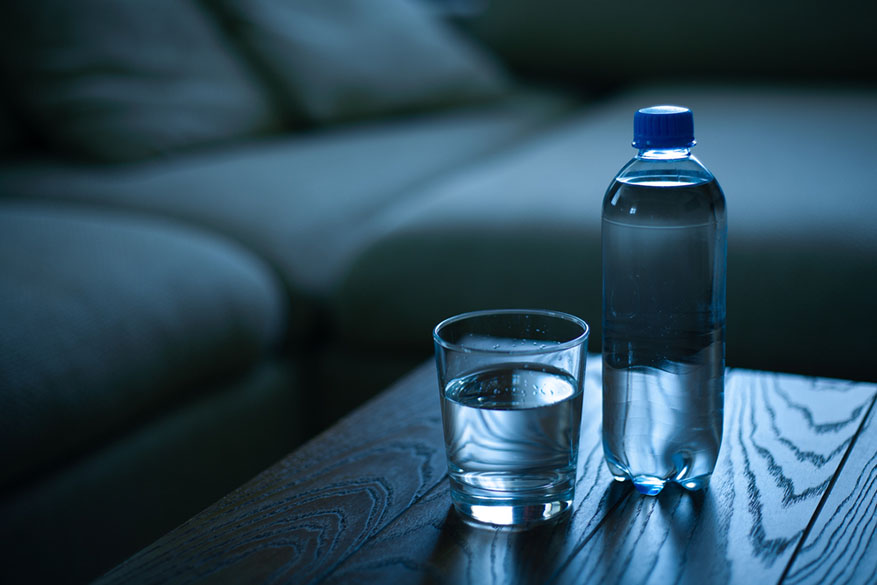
x: 354, y: 58
x: 113, y: 81
x: 108, y: 318
x: 524, y: 229
x: 301, y: 202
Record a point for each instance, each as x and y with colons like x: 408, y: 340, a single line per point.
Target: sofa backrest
x: 110, y: 81
x: 592, y: 40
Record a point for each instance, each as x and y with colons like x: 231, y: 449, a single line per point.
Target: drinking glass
x: 511, y: 384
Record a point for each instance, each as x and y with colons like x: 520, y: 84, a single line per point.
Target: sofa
x: 226, y: 223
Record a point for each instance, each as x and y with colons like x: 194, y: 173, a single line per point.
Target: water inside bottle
x: 663, y: 331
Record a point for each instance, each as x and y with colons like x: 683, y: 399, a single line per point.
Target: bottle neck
x: 663, y: 153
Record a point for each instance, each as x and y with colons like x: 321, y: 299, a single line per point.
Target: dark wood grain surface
x: 784, y: 439
x: 296, y: 521
x: 841, y: 546
x: 792, y: 500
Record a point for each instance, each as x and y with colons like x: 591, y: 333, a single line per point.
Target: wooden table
x: 793, y: 500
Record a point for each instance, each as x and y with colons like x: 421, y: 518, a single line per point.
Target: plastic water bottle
x: 664, y: 263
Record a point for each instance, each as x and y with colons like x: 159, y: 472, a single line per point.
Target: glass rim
x: 577, y: 340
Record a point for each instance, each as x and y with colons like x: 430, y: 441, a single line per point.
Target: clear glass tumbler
x: 511, y: 384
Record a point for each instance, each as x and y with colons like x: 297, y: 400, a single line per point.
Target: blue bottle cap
x: 663, y: 127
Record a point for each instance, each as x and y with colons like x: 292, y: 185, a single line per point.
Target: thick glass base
x: 509, y: 513
x: 512, y: 499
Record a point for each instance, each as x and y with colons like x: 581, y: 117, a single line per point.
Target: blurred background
x: 226, y: 223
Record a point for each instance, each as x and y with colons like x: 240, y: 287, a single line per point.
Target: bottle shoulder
x: 662, y: 192
x: 671, y: 171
